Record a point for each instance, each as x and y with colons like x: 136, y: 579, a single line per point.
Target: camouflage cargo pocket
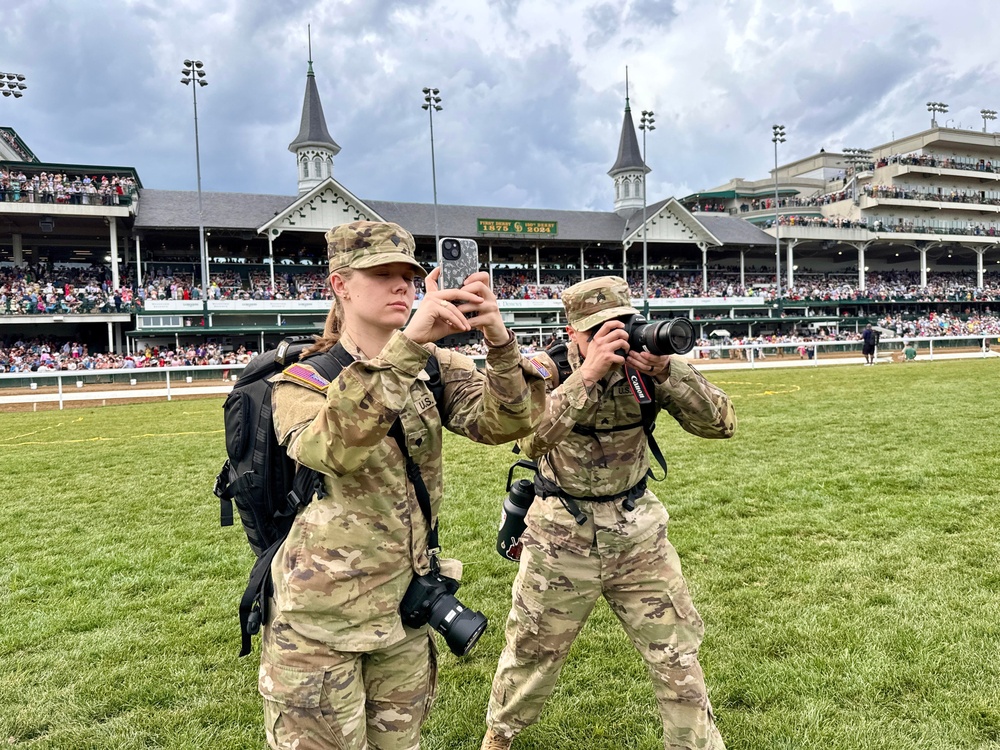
x: 294, y: 707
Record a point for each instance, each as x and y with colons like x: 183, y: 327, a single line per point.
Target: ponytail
x: 333, y: 329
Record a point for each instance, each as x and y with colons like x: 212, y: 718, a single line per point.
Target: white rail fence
x: 170, y: 382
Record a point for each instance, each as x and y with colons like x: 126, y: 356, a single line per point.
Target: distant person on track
x: 869, y: 339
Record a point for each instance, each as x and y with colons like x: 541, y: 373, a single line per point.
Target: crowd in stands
x: 965, y: 163
x: 52, y: 187
x: 821, y: 287
x: 40, y: 355
x: 951, y: 196
x: 943, y: 324
x: 35, y: 289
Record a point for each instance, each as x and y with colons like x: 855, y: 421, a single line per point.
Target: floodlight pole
x: 432, y: 102
x: 645, y: 124
x: 988, y: 114
x: 12, y: 84
x: 778, y: 136
x: 194, y: 72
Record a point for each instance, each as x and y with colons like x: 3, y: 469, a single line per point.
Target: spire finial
x: 626, y: 89
x: 309, y: 36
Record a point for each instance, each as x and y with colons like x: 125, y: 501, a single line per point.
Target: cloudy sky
x: 533, y: 90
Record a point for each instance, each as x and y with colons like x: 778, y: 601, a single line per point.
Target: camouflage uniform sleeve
x: 360, y: 406
x: 569, y: 403
x: 698, y: 406
x: 499, y: 404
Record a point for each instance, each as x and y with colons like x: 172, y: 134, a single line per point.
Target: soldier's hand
x: 649, y: 364
x: 603, y: 350
x: 485, y: 311
x: 437, y: 316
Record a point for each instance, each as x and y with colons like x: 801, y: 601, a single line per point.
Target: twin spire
x: 314, y: 147
x: 629, y: 168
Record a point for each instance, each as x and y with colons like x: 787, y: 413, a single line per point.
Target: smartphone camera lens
x: 451, y: 250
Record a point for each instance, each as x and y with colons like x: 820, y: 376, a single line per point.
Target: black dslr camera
x: 673, y: 336
x: 431, y: 599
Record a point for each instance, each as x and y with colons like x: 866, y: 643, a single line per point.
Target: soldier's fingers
x: 451, y: 315
x: 480, y: 277
x: 431, y: 280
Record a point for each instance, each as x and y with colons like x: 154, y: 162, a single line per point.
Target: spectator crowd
x: 36, y: 289
x: 17, y: 186
x: 20, y: 354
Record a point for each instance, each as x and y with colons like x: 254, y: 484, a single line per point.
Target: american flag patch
x: 307, y: 377
x: 540, y: 367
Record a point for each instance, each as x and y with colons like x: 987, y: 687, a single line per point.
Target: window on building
x: 627, y: 189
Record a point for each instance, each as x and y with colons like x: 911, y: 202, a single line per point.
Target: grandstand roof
x: 178, y: 209
x: 732, y: 230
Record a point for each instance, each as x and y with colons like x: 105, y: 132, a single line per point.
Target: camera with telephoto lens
x: 661, y: 337
x: 430, y: 599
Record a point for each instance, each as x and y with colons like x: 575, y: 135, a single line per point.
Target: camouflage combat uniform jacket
x: 610, y: 463
x: 342, y: 572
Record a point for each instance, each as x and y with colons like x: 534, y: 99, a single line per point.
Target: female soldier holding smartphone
x: 338, y: 667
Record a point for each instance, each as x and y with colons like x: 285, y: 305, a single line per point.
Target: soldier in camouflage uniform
x: 620, y: 553
x: 338, y: 668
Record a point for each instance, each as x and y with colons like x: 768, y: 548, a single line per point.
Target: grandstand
x: 88, y: 254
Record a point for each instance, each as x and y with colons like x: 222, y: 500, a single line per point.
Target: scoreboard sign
x: 515, y: 226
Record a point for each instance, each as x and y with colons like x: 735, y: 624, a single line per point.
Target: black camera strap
x: 420, y: 489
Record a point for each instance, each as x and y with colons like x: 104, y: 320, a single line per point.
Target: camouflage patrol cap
x: 367, y: 244
x: 595, y: 301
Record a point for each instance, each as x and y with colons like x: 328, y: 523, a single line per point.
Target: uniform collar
x: 351, y: 348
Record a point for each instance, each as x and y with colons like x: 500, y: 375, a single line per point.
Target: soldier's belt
x: 547, y: 488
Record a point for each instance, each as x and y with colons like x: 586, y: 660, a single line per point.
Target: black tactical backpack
x: 265, y: 484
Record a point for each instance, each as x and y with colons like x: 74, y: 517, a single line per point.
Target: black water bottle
x: 515, y: 507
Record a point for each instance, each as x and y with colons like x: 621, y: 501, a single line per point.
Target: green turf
x: 842, y: 550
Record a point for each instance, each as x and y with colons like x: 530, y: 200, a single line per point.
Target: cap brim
x: 384, y: 259
x: 595, y: 319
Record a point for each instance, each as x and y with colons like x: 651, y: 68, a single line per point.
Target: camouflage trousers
x: 319, y: 699
x: 553, y: 595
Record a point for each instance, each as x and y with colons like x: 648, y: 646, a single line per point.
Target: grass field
x: 842, y: 549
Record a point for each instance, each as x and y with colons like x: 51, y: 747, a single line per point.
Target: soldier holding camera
x: 594, y: 529
x: 348, y: 660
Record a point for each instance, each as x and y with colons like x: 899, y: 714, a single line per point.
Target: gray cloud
x: 533, y: 92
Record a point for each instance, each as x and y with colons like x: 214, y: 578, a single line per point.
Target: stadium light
x: 12, y: 84
x: 432, y: 103
x: 645, y: 125
x: 988, y: 114
x: 936, y: 108
x: 778, y: 136
x: 194, y: 70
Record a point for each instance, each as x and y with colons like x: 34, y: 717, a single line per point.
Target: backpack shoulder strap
x: 434, y: 382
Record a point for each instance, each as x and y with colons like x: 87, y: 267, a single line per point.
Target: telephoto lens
x: 673, y: 336
x: 512, y: 525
